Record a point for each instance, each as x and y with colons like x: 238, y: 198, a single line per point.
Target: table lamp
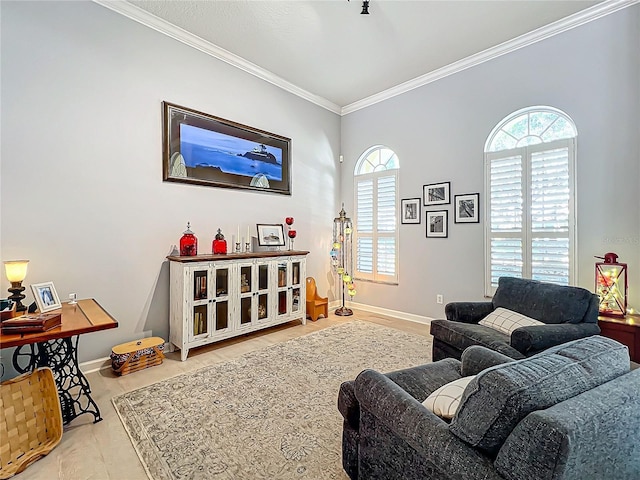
x: 16, y: 270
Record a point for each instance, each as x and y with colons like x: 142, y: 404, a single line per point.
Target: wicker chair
x: 316, y: 305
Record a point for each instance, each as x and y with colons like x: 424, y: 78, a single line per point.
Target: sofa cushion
x: 547, y: 302
x: 506, y: 321
x: 445, y: 400
x: 464, y: 335
x: 501, y: 396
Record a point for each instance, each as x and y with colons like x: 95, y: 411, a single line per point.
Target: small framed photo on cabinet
x: 270, y: 235
x: 436, y: 194
x: 467, y: 208
x: 410, y: 210
x: 437, y: 224
x: 46, y: 296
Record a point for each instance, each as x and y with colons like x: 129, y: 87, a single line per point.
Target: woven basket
x: 30, y: 420
x: 137, y: 355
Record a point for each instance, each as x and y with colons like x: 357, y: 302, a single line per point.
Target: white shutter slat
x: 386, y: 203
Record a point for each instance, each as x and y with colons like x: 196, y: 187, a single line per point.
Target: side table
x: 58, y: 349
x: 624, y: 330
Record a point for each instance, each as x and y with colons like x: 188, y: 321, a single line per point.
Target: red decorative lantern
x: 219, y: 245
x: 611, y: 286
x: 188, y: 243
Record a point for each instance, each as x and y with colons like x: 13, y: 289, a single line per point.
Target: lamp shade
x: 16, y: 270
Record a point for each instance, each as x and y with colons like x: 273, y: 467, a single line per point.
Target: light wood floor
x: 103, y: 451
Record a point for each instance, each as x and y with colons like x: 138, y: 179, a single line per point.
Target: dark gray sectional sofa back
x: 546, y: 302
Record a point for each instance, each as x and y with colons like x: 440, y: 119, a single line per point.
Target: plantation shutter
x: 506, y: 208
x: 530, y: 213
x: 550, y: 199
x: 364, y: 226
x: 386, y: 220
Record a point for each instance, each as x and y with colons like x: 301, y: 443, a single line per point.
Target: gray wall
x: 439, y: 132
x: 82, y: 195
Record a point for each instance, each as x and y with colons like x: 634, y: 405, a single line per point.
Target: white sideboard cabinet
x: 213, y: 297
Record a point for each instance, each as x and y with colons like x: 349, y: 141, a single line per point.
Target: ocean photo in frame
x: 202, y: 149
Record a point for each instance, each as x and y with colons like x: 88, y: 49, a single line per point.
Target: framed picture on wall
x: 46, y: 296
x: 206, y: 150
x: 437, y: 224
x: 467, y: 208
x: 410, y: 210
x: 436, y: 194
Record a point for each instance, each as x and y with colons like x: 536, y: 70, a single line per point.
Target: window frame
x: 526, y: 234
x: 375, y: 235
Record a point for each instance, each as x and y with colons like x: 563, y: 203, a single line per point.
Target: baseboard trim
x: 384, y: 311
x: 104, y: 363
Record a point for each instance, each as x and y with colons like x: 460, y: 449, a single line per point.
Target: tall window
x: 376, y: 232
x: 529, y: 179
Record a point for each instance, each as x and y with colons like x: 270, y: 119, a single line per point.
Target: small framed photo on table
x: 410, y: 210
x: 436, y: 194
x: 270, y: 235
x: 46, y: 296
x: 467, y: 208
x: 437, y: 224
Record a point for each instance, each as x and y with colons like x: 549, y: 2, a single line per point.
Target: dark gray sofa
x: 569, y: 312
x: 571, y: 412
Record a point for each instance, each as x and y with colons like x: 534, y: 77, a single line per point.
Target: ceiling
x: 329, y: 52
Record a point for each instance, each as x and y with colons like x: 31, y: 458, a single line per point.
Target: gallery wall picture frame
x: 437, y: 224
x: 270, y: 234
x: 410, y: 211
x: 202, y: 149
x: 467, y: 208
x: 436, y: 194
x: 46, y: 296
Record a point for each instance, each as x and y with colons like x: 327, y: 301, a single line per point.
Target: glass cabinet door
x: 264, y: 284
x: 199, y: 326
x: 283, y: 286
x: 221, y: 320
x: 246, y: 286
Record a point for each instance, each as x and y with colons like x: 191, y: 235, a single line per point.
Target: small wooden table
x: 624, y: 330
x: 58, y: 349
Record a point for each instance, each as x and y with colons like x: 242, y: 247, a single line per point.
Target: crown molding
x: 588, y: 15
x: 145, y: 18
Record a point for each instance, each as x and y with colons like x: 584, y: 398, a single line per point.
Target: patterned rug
x: 269, y: 414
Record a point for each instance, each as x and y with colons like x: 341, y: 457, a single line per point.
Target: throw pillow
x: 506, y: 321
x: 445, y: 400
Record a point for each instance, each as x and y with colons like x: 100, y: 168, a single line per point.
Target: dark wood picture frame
x: 202, y: 149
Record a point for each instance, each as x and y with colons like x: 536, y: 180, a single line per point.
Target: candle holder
x: 238, y: 247
x: 247, y: 247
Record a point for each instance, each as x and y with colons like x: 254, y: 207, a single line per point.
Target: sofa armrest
x: 428, y: 434
x: 418, y: 381
x: 476, y: 358
x: 541, y: 337
x: 467, y: 312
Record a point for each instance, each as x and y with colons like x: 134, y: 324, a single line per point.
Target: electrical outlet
x: 439, y: 298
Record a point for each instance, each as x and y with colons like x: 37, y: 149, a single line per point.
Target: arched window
x: 376, y: 202
x: 529, y: 178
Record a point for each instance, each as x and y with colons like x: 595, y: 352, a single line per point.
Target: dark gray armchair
x: 568, y: 312
x: 571, y: 412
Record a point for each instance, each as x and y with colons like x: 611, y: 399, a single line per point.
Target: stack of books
x: 32, y: 323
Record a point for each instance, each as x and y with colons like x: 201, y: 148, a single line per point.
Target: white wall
x: 82, y: 195
x: 439, y: 131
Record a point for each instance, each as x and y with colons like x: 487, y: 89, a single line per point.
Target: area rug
x: 269, y: 414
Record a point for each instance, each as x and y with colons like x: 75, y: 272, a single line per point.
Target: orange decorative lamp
x: 611, y: 286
